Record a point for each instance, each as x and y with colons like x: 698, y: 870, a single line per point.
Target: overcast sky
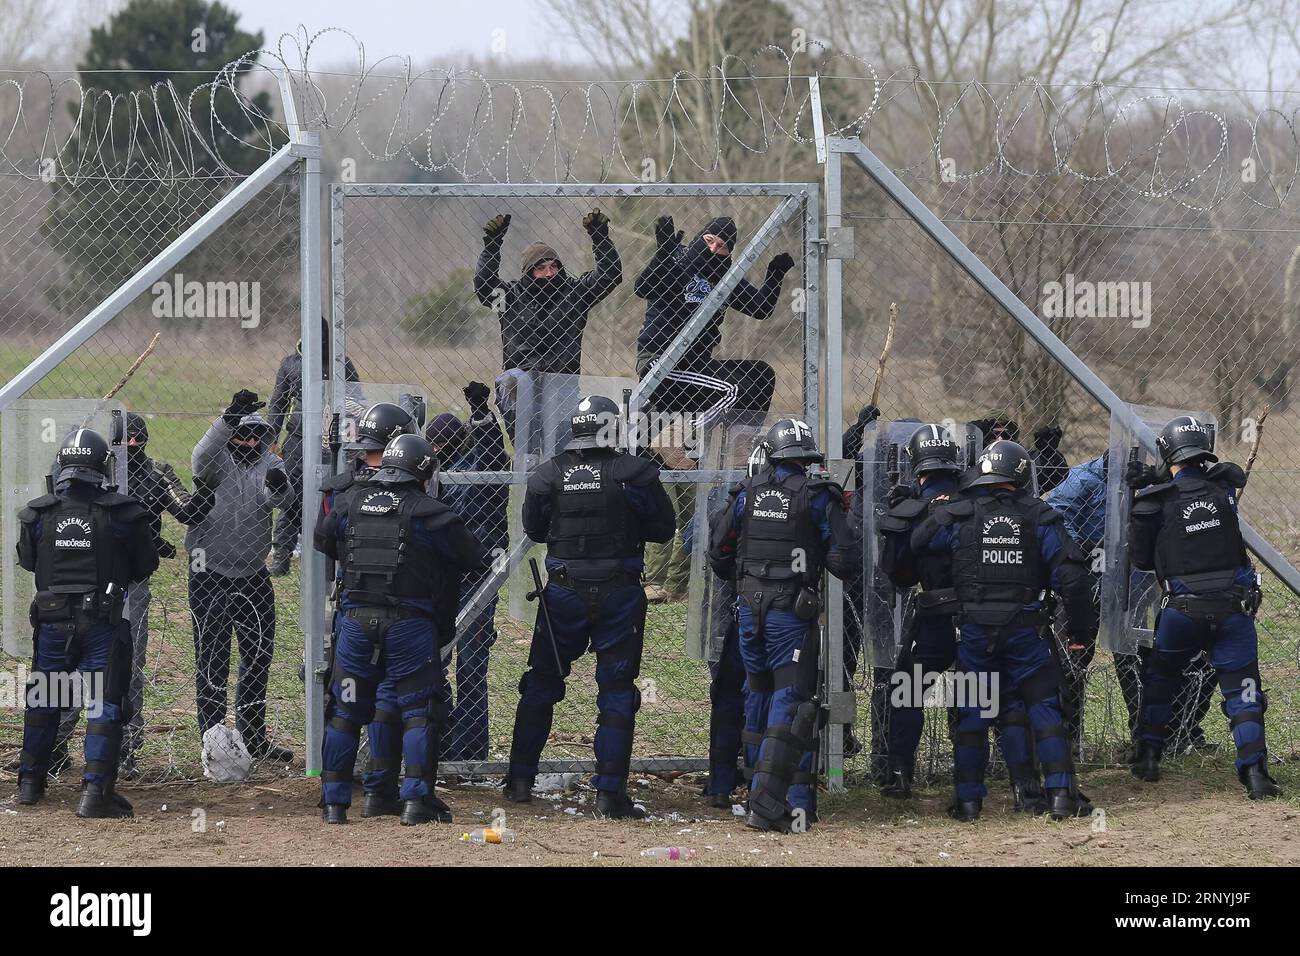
x: 421, y: 30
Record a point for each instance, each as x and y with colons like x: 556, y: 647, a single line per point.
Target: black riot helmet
x: 84, y: 456
x: 1003, y: 462
x: 792, y: 440
x: 594, y: 424
x: 406, y: 458
x: 933, y: 448
x: 1184, y: 440
x: 382, y: 423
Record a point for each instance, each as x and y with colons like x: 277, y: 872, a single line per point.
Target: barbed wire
x: 463, y: 124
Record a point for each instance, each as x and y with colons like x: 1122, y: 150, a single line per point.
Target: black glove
x: 664, y: 235
x: 1048, y: 438
x: 166, y: 549
x: 779, y: 266
x: 868, y: 415
x: 242, y: 403
x: 476, y: 393
x: 495, y: 230
x: 1138, y: 475
x: 597, y: 224
x: 899, y: 493
x: 276, y: 480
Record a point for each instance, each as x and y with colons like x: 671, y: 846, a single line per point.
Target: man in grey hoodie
x: 230, y: 586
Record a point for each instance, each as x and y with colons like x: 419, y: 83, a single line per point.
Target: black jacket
x: 674, y: 283
x: 286, y: 396
x: 542, y: 324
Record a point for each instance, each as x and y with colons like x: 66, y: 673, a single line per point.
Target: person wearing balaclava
x: 674, y: 283
x: 483, y: 508
x: 286, y: 414
x: 543, y: 315
x: 230, y: 587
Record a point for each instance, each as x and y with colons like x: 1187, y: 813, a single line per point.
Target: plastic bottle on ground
x: 669, y: 852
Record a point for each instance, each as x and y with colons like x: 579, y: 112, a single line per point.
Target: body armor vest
x: 1200, y: 540
x: 590, y: 518
x: 997, y: 568
x: 80, y: 580
x: 382, y: 564
x: 778, y: 528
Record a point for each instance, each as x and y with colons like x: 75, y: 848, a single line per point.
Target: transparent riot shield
x: 726, y: 454
x: 536, y: 408
x: 31, y: 433
x: 1129, y: 597
x: 885, y: 463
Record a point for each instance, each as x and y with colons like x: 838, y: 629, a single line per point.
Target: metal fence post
x: 834, y: 418
x: 313, y: 563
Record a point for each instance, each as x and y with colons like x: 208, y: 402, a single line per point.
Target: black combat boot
x: 1146, y: 761
x: 1027, y: 797
x: 617, y: 806
x: 334, y: 813
x: 1259, y: 785
x: 899, y: 786
x: 101, y: 801
x: 31, y: 789
x: 428, y: 809
x: 380, y: 804
x: 965, y: 811
x: 1065, y: 802
x: 720, y: 801
x: 518, y: 790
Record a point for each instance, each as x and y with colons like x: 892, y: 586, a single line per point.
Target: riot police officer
x: 1003, y: 547
x: 781, y: 529
x: 1185, y: 529
x: 930, y: 646
x: 86, y: 544
x: 402, y: 555
x: 377, y: 426
x: 595, y: 507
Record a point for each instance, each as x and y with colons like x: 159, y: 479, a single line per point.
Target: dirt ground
x: 1181, y: 821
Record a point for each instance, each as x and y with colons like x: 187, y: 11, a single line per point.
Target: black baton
x: 538, y: 594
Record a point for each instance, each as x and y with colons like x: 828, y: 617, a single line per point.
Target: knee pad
x: 417, y: 692
x: 610, y: 663
x: 549, y: 687
x: 1043, y: 684
x: 1245, y: 681
x: 760, y: 682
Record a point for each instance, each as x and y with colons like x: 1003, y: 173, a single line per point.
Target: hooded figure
x: 229, y: 586
x: 674, y: 283
x: 543, y: 313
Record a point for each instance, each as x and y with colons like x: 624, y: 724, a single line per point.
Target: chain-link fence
x: 1157, y: 295
x: 1176, y: 290
x: 433, y: 289
x: 211, y: 626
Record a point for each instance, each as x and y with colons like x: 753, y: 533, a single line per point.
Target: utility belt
x: 376, y: 619
x: 593, y: 583
x: 937, y: 602
x: 1217, y: 605
x: 74, y: 613
x: 789, y: 594
x: 1001, y: 621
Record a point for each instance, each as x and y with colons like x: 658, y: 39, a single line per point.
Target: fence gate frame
x: 799, y: 202
x: 831, y: 151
